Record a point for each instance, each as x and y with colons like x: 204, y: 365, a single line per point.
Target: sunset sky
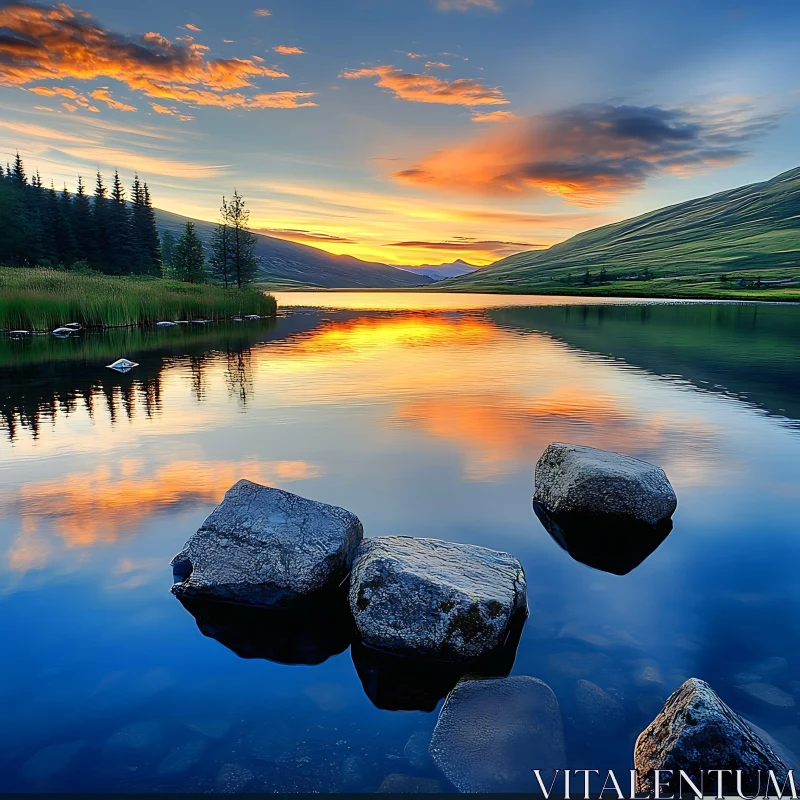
x: 407, y: 131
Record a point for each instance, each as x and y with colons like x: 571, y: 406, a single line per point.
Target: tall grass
x: 39, y: 299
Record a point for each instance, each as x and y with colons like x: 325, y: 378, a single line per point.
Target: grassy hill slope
x: 717, y: 246
x: 288, y: 265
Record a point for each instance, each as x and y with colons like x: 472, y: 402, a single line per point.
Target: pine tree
x: 122, y: 253
x: 47, y: 206
x: 18, y: 173
x: 13, y: 232
x: 101, y: 257
x: 66, y: 244
x: 152, y: 242
x: 168, y: 252
x: 188, y: 258
x: 222, y: 248
x: 137, y: 227
x: 82, y: 225
x: 243, y: 243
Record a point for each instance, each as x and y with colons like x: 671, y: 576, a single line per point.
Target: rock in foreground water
x: 435, y: 599
x: 696, y: 731
x: 491, y: 733
x: 571, y: 479
x: 266, y: 547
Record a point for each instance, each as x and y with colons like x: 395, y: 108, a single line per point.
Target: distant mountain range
x: 289, y: 265
x: 453, y: 269
x: 748, y: 236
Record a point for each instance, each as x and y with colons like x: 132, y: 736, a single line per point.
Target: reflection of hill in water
x: 748, y: 351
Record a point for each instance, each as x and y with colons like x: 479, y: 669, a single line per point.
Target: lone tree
x: 188, y: 259
x: 243, y: 263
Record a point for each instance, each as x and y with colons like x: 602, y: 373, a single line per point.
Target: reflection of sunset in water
x: 455, y: 382
x: 363, y: 336
x: 429, y: 300
x: 500, y: 432
x: 85, y: 509
x: 424, y: 423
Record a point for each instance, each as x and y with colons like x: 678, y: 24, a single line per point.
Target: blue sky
x: 407, y: 131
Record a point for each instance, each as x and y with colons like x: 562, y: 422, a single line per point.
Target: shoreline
x: 424, y: 290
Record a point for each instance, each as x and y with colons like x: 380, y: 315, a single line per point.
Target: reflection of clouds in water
x: 85, y: 509
x: 503, y: 431
x: 499, y: 396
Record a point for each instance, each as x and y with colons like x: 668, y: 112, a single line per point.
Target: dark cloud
x: 467, y: 244
x: 299, y: 235
x: 591, y: 154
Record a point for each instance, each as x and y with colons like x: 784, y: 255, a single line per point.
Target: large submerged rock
x: 266, y: 547
x: 697, y: 732
x: 607, y: 510
x: 493, y: 732
x: 434, y: 599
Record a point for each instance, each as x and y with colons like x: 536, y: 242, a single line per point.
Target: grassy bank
x: 680, y: 288
x: 38, y: 299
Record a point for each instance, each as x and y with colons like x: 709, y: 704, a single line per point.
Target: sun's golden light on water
x: 438, y: 374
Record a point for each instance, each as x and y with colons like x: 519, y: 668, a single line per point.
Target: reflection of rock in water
x: 608, y: 544
x: 400, y: 683
x: 308, y: 635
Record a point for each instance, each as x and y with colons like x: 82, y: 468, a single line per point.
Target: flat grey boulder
x: 696, y: 731
x: 266, y: 547
x: 492, y: 733
x: 435, y: 599
x: 576, y: 480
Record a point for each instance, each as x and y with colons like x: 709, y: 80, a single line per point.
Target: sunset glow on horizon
x: 409, y: 131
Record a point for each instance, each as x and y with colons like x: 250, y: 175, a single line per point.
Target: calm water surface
x: 425, y: 416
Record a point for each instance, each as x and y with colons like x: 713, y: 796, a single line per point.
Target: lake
x: 423, y: 414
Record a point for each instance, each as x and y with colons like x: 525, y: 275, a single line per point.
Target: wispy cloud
x: 463, y: 244
x: 190, y: 27
x: 436, y: 65
x: 591, y: 154
x: 494, y: 116
x: 286, y: 50
x: 104, y: 96
x: 262, y: 12
x: 299, y: 235
x: 61, y: 43
x: 466, y: 5
x: 171, y: 111
x: 419, y: 88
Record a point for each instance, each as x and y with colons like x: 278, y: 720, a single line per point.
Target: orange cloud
x: 285, y: 50
x: 52, y: 91
x: 466, y: 5
x: 104, y: 95
x: 190, y: 27
x: 61, y: 43
x: 591, y: 154
x: 429, y: 89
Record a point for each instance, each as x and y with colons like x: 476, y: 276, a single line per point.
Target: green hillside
x: 742, y: 243
x: 289, y: 265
